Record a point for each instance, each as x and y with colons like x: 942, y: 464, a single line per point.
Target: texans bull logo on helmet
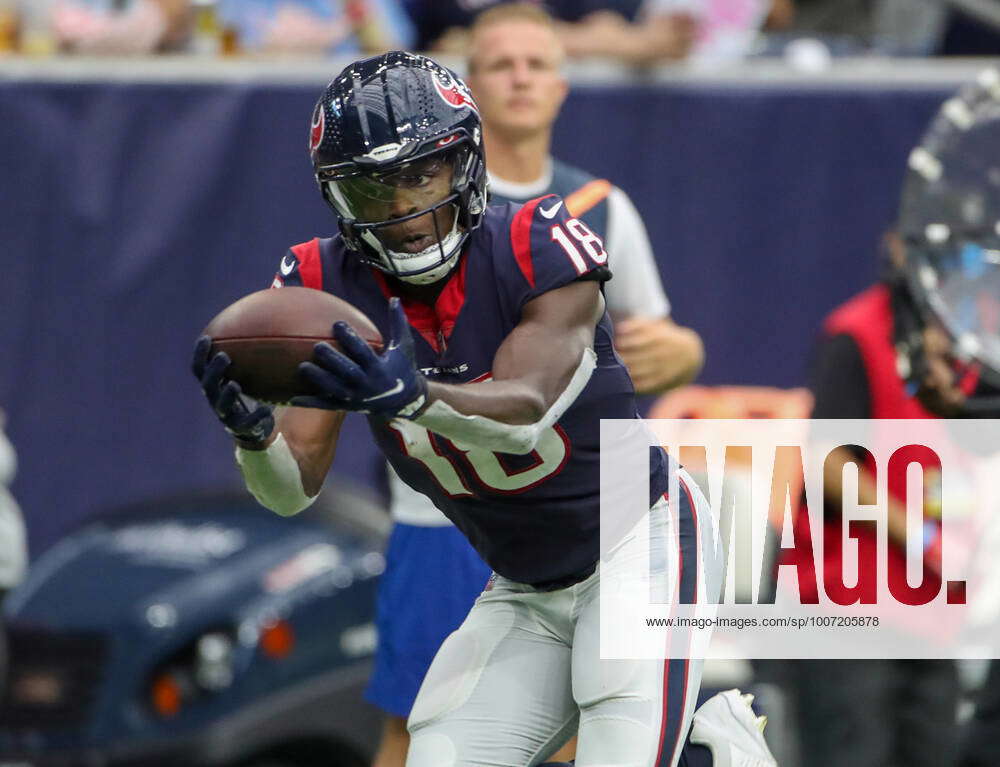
x: 317, y: 129
x: 454, y: 93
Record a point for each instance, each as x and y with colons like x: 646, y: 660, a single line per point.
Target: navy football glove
x: 244, y: 418
x: 386, y: 384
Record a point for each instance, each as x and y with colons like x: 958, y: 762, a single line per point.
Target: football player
x: 487, y: 397
x: 433, y: 575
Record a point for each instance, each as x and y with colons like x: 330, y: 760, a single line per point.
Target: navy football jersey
x: 534, y: 517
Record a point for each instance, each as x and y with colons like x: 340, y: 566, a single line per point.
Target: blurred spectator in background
x: 107, y: 26
x: 316, y: 27
x: 724, y: 30
x: 901, y: 27
x: 852, y: 27
x: 635, y: 32
x: 920, y: 344
x: 650, y: 34
x: 620, y: 29
x: 130, y: 27
x: 909, y: 706
x: 515, y: 73
x: 833, y: 20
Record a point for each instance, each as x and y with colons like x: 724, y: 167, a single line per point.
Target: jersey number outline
x: 584, y: 235
x: 550, y: 454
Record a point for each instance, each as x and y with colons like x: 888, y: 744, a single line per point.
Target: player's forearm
x: 539, y: 370
x: 663, y: 38
x: 286, y: 473
x: 503, y: 416
x: 314, y: 448
x: 312, y: 438
x: 508, y: 402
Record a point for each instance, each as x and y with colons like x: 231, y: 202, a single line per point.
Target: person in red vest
x: 922, y: 343
x: 872, y: 713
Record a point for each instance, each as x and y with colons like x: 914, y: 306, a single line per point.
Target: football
x: 268, y: 333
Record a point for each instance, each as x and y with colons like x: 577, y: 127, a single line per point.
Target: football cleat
x: 728, y: 727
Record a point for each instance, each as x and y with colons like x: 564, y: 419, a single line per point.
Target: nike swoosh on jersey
x: 394, y: 390
x: 286, y: 266
x: 550, y: 212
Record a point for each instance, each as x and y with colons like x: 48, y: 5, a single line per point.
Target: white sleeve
x: 635, y: 289
x: 273, y: 477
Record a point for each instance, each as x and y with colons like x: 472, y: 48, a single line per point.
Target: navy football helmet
x: 396, y: 145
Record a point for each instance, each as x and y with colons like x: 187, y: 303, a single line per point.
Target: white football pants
x: 523, y: 673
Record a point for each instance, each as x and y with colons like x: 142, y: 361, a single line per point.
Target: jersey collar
x: 434, y: 323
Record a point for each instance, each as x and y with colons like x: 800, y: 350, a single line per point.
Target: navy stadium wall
x: 132, y: 211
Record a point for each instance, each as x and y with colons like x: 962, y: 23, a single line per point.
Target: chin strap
x: 448, y: 247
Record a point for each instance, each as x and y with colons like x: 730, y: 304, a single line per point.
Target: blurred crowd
x: 634, y: 32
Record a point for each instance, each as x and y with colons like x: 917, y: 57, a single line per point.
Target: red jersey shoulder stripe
x: 310, y: 264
